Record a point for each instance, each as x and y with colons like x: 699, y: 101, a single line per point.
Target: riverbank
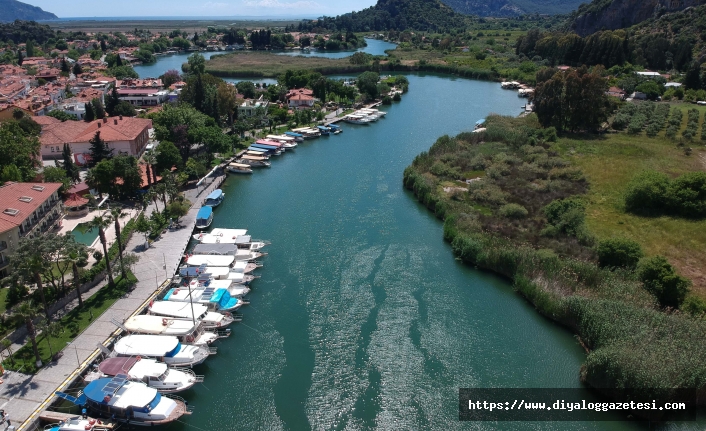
x: 497, y: 223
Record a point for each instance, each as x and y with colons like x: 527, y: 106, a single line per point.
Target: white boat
x: 254, y: 161
x: 167, y: 349
x: 239, y: 168
x: 214, y: 198
x: 189, y: 311
x: 262, y: 154
x: 370, y: 116
x: 187, y: 331
x: 308, y: 132
x: 356, y: 119
x: 210, y: 260
x: 281, y: 138
x: 371, y: 111
x: 215, y: 299
x: 204, y: 273
x: 154, y: 374
x: 126, y: 401
x: 219, y: 232
x: 79, y: 423
x: 220, y: 272
x: 230, y: 245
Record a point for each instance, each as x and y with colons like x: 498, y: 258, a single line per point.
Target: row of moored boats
x: 364, y: 116
x: 153, y: 359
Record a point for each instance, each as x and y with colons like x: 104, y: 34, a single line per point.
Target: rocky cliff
x: 615, y: 14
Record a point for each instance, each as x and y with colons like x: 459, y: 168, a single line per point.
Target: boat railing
x: 264, y: 241
x: 212, y: 350
x: 237, y: 317
x: 257, y: 264
x: 225, y: 333
x: 189, y: 409
x: 198, y: 378
x: 244, y: 302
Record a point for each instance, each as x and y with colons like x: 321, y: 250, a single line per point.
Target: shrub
x: 653, y: 193
x: 566, y: 215
x: 646, y: 192
x: 515, y: 211
x: 660, y: 279
x: 694, y: 305
x: 619, y: 252
x: 687, y: 194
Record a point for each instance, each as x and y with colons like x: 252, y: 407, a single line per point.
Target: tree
x: 661, y: 279
x: 98, y: 108
x: 29, y: 48
x: 112, y: 102
x: 19, y: 148
x: 72, y: 171
x: 28, y: 312
x: 20, y: 58
x: 150, y: 160
x: 77, y: 69
x: 227, y: 101
x: 170, y: 77
x: 77, y: 255
x: 90, y: 114
x: 11, y: 173
x: 104, y: 46
x: 619, y: 253
x: 99, y: 149
x: 142, y: 225
x: 50, y: 329
x: 178, y: 209
x: 53, y: 174
x: 65, y: 68
x: 167, y: 156
x: 125, y: 109
x: 30, y: 263
x: 127, y: 174
x: 102, y: 177
x: 367, y: 83
x: 197, y: 64
x: 100, y: 223
x: 116, y: 214
x: 246, y: 88
x: 61, y: 115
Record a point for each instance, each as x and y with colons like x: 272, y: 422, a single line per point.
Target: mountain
x: 11, y: 10
x: 615, y: 14
x: 421, y: 15
x: 509, y: 8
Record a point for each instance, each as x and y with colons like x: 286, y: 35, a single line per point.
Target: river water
x: 363, y: 319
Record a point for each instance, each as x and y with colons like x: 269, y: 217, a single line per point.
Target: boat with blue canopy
x: 297, y: 136
x: 214, y: 198
x: 133, y: 403
x: 79, y: 423
x: 324, y: 130
x: 204, y: 218
x: 335, y: 129
x: 215, y: 299
x: 269, y: 150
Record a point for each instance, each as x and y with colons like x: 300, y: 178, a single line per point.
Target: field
x: 268, y: 65
x: 611, y: 161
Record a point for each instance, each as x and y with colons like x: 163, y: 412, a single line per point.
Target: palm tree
x: 50, y: 329
x: 6, y: 345
x: 100, y: 223
x: 78, y: 253
x: 116, y: 214
x: 31, y: 264
x: 27, y: 312
x: 150, y: 160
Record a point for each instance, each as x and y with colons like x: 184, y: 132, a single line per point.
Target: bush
x: 694, y: 305
x: 660, y: 279
x: 515, y: 211
x: 97, y: 255
x: 566, y: 215
x: 619, y: 253
x: 652, y: 193
x: 646, y: 193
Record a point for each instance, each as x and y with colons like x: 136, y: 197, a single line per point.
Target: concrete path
x: 21, y: 395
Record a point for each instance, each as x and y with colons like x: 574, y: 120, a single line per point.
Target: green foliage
x: 62, y: 116
x: 660, y: 279
x: 52, y: 174
x: 19, y: 148
x: 125, y: 109
x: 515, y: 211
x: 653, y: 193
x: 694, y: 305
x: 167, y: 156
x: 99, y: 267
x: 99, y: 149
x: 566, y: 216
x: 367, y: 83
x: 619, y: 253
x: 122, y: 72
x: 10, y: 173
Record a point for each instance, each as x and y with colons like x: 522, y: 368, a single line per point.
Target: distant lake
x: 174, y: 61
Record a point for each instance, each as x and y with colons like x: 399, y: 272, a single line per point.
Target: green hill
x: 11, y: 10
x: 508, y: 8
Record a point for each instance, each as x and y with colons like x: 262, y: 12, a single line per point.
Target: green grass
x: 72, y: 324
x: 610, y: 162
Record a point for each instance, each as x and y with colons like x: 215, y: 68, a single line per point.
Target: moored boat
x: 335, y: 129
x: 239, y: 168
x: 79, y: 423
x: 167, y: 349
x: 298, y: 137
x: 356, y: 119
x: 187, y: 311
x: 253, y: 161
x: 324, y: 130
x: 215, y: 299
x: 130, y: 402
x: 151, y: 372
x: 187, y: 331
x: 261, y: 153
x: 204, y: 217
x: 214, y: 198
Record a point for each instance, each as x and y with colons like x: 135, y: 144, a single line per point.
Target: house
x: 638, y: 96
x: 7, y: 112
x: 648, y: 74
x: 124, y: 135
x: 672, y: 85
x: 616, y: 92
x: 250, y: 106
x: 26, y: 210
x: 143, y: 96
x: 300, y: 98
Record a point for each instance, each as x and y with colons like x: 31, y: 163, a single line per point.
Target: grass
x: 610, y: 162
x: 72, y: 324
x: 268, y: 65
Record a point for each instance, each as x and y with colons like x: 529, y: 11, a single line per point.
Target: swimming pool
x: 84, y: 235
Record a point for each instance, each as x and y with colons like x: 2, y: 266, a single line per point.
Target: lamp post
x: 78, y: 361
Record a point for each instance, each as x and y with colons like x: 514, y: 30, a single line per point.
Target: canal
x: 363, y: 319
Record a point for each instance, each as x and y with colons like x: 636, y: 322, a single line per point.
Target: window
x: 52, y: 149
x: 25, y: 199
x: 11, y: 211
x: 38, y: 188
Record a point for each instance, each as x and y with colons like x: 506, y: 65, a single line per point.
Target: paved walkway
x: 21, y: 395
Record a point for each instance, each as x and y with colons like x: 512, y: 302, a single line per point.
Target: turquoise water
x: 83, y: 235
x: 363, y: 319
x: 168, y: 62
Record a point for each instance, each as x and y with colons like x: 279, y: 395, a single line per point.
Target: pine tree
x: 90, y: 114
x: 118, y: 61
x: 98, y: 108
x: 112, y: 102
x: 29, y: 48
x: 65, y: 65
x: 77, y: 69
x: 99, y: 149
x: 20, y: 58
x: 69, y: 165
x: 104, y: 47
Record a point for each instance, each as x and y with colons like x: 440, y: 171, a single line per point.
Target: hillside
x: 615, y: 14
x: 11, y: 10
x: 421, y: 15
x: 508, y: 8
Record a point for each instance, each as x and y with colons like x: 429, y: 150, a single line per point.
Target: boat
x: 281, y: 138
x: 324, y: 130
x: 271, y: 144
x: 335, y: 129
x: 204, y: 273
x: 191, y: 311
x: 308, y: 132
x: 214, y: 198
x: 225, y: 246
x: 130, y: 402
x: 356, y: 119
x: 164, y: 348
x: 268, y: 151
x: 79, y: 423
x: 187, y: 331
x: 254, y: 161
x: 370, y: 111
x: 261, y: 153
x: 297, y: 136
x: 239, y: 168
x: 210, y: 260
x: 270, y: 148
x: 204, y: 217
x: 215, y: 299
x: 218, y: 232
x: 151, y: 372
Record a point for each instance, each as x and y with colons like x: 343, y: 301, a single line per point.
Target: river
x: 363, y: 319
x: 174, y: 61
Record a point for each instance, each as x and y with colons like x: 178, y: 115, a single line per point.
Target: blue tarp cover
x: 216, y: 194
x: 204, y: 213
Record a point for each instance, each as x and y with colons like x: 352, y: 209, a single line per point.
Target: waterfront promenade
x: 24, y: 396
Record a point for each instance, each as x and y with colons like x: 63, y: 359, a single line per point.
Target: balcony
x: 45, y: 215
x: 3, y: 245
x: 4, y: 262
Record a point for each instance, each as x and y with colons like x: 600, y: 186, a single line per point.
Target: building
x: 300, y: 98
x: 26, y: 210
x: 143, y: 96
x: 616, y: 92
x: 250, y: 106
x: 124, y: 135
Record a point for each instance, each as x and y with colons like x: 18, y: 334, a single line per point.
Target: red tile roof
x: 45, y: 120
x: 113, y: 129
x: 11, y: 193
